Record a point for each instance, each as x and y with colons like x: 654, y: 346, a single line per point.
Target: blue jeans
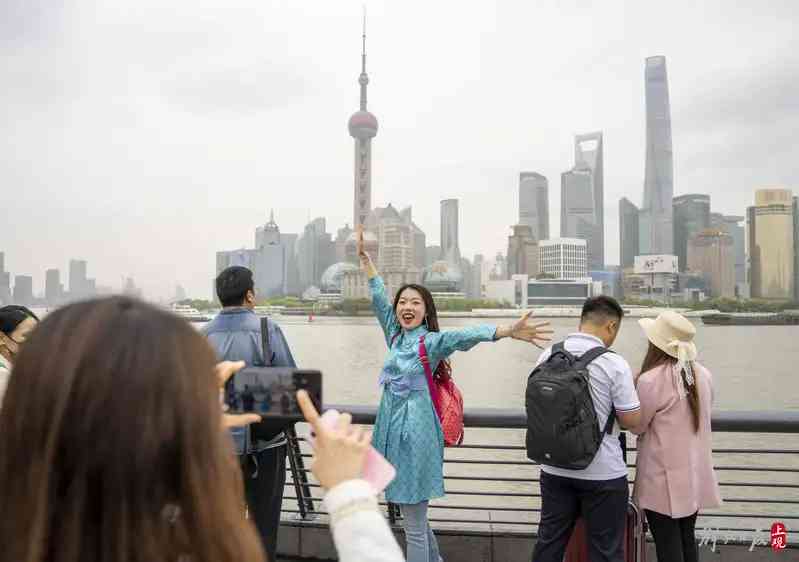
x: 421, y: 542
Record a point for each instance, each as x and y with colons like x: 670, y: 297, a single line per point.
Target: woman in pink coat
x: 674, y: 473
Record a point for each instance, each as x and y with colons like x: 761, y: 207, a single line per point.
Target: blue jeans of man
x: 421, y: 542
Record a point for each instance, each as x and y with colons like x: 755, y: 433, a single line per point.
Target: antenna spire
x: 363, y: 79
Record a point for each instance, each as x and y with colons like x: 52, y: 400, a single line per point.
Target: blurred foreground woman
x: 111, y: 445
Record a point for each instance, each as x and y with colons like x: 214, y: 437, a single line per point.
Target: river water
x: 754, y: 368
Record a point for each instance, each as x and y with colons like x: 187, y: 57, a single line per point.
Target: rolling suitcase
x: 634, y: 539
x: 634, y: 531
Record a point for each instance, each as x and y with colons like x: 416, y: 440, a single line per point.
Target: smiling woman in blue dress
x: 407, y: 430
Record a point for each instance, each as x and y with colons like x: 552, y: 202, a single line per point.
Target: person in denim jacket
x: 235, y: 335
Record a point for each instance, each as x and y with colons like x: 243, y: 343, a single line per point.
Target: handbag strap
x: 266, y: 348
x: 428, y: 372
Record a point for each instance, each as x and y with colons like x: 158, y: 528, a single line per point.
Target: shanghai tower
x: 655, y: 228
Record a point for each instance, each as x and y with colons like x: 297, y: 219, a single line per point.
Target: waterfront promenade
x: 492, y: 505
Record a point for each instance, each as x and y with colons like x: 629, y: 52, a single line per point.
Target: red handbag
x: 446, y: 397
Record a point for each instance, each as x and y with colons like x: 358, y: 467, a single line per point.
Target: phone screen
x: 271, y: 392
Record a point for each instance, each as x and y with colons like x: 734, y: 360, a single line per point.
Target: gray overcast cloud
x: 145, y: 136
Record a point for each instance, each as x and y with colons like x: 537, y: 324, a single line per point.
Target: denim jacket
x: 235, y: 335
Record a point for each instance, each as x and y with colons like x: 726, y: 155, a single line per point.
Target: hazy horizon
x: 145, y: 137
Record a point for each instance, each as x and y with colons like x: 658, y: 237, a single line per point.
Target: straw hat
x: 672, y: 333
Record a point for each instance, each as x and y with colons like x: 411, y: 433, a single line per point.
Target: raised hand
x: 536, y: 333
x: 339, y: 451
x: 363, y: 256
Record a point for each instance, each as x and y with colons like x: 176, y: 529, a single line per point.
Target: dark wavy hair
x: 444, y: 368
x: 112, y: 447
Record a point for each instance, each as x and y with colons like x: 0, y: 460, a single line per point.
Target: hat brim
x: 648, y: 326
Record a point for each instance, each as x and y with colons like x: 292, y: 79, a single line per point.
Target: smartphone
x: 271, y: 392
x: 376, y: 469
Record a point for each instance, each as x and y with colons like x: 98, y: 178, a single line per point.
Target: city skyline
x: 211, y: 141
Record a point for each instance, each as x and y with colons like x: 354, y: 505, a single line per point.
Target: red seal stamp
x: 779, y: 536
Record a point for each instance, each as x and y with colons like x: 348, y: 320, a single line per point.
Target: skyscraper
x: 78, y: 283
x: 52, y: 286
x: 363, y: 128
x: 5, y: 281
x: 522, y: 252
x: 534, y: 203
x: 589, y: 151
x: 578, y: 217
x: 770, y: 229
x: 691, y: 216
x: 23, y: 290
x: 656, y: 232
x: 731, y: 224
x: 628, y: 233
x: 711, y: 252
x: 450, y: 251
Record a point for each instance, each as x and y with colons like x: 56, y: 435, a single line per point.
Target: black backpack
x: 562, y: 425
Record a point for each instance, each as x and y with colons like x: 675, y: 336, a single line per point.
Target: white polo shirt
x: 611, y: 386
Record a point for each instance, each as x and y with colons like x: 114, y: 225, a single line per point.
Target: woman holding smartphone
x: 407, y: 430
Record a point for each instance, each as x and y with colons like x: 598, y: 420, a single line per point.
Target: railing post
x: 393, y: 512
x: 298, y: 475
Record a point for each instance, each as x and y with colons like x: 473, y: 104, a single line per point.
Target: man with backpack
x: 236, y: 335
x: 577, y: 390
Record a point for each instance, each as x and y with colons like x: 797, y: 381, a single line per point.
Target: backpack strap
x: 591, y: 355
x: 265, y: 347
x: 560, y: 347
x: 586, y: 359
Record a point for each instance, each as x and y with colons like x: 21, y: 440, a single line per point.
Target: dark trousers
x: 264, y: 476
x: 601, y: 503
x: 674, y: 538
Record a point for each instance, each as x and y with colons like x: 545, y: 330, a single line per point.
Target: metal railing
x: 491, y: 485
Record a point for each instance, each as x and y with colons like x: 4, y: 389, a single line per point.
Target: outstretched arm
x: 442, y: 344
x: 377, y: 289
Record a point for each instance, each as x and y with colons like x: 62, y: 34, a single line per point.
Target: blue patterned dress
x: 407, y: 431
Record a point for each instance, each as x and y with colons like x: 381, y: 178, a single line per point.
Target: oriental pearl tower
x: 363, y: 128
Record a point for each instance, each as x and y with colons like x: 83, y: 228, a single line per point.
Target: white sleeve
x: 360, y: 532
x: 622, y: 391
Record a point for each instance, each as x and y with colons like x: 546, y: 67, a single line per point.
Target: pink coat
x: 674, y: 472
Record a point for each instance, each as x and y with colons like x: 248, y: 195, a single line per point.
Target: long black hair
x: 431, y: 320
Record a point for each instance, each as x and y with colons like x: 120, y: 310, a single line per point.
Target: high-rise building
x: 563, y: 258
x: 476, y: 285
x: 589, y: 151
x: 269, y: 242
x: 731, y: 224
x: 522, y: 252
x: 656, y: 231
x: 628, y: 233
x: 691, y: 216
x: 316, y: 251
x: 363, y: 128
x: 52, y: 286
x: 23, y: 290
x: 450, y: 250
x: 534, y: 203
x: 78, y: 282
x: 5, y: 281
x: 711, y: 253
x: 770, y: 235
x: 578, y: 212
x: 419, y: 238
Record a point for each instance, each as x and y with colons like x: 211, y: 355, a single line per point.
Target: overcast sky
x: 144, y: 136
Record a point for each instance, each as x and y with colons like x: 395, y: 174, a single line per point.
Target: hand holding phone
x: 341, y: 451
